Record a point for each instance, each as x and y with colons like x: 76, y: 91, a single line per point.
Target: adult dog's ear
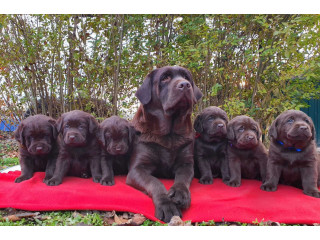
x: 132, y: 133
x: 198, y: 124
x: 230, y: 132
x: 145, y: 90
x: 197, y: 93
x: 273, y: 131
x: 18, y: 134
x: 54, y: 128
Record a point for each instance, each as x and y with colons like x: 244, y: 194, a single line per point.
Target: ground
x: 15, y: 217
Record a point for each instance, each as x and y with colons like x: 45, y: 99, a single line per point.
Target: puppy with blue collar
x: 293, y: 158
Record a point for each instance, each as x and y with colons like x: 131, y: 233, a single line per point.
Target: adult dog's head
x: 116, y: 135
x: 37, y: 134
x: 77, y: 128
x: 167, y: 96
x: 169, y: 88
x: 211, y: 124
x: 292, y: 128
x: 243, y: 132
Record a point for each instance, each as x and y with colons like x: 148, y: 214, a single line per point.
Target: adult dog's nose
x: 184, y: 85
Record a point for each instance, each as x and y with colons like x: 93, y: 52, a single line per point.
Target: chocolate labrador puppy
x: 116, y: 137
x: 293, y: 158
x: 79, y: 153
x: 247, y: 156
x: 211, y: 145
x: 164, y: 148
x: 38, y: 148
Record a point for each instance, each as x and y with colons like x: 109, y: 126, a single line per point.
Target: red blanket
x: 216, y: 202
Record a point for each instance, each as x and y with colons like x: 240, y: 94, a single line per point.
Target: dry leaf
x: 108, y: 221
x: 27, y: 214
x: 12, y: 218
x: 138, y: 219
x: 176, y: 221
x: 120, y: 220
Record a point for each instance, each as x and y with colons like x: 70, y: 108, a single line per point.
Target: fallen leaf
x: 138, y: 219
x: 27, y: 214
x: 176, y: 221
x: 12, y: 218
x: 108, y: 221
x: 120, y: 220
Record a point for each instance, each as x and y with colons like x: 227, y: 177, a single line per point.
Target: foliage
x: 259, y: 65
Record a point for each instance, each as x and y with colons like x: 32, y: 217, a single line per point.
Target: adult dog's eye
x: 290, y: 120
x: 165, y: 77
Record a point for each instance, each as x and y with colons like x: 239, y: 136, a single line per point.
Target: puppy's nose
x: 220, y: 125
x: 303, y: 128
x: 184, y: 85
x: 118, y: 148
x: 250, y: 137
x: 39, y: 149
x: 72, y: 137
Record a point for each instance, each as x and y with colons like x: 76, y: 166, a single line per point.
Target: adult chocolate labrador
x: 293, y: 158
x: 164, y: 148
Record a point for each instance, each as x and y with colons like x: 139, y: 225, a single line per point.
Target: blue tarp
x: 7, y: 127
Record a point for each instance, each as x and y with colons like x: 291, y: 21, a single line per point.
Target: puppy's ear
x: 145, y: 90
x: 54, y: 128
x: 230, y: 132
x: 259, y: 131
x: 93, y: 125
x: 197, y: 93
x: 198, y: 124
x: 58, y: 125
x: 18, y: 134
x: 132, y: 133
x: 100, y: 136
x: 313, y: 130
x: 273, y: 131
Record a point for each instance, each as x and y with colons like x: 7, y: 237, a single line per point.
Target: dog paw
x: 234, y: 183
x: 107, y: 181
x: 180, y: 195
x: 315, y: 193
x: 206, y: 180
x: 166, y: 209
x: 268, y: 187
x: 54, y: 182
x: 21, y: 179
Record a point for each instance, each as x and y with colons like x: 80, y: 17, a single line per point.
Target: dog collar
x: 290, y: 148
x: 197, y: 135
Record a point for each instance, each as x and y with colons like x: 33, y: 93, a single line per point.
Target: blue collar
x: 290, y: 148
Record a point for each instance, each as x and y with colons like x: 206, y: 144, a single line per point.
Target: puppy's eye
x: 307, y: 121
x: 185, y: 76
x: 290, y: 120
x: 81, y: 127
x: 241, y: 129
x: 66, y: 126
x: 211, y: 118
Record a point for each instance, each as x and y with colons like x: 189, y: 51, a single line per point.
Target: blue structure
x: 314, y: 112
x: 7, y: 127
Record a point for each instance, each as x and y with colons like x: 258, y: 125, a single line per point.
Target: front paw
x: 180, y: 195
x: 54, y: 181
x: 107, y: 181
x: 311, y: 193
x: 206, y: 180
x: 269, y: 187
x: 234, y: 183
x: 166, y: 209
x: 21, y: 179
